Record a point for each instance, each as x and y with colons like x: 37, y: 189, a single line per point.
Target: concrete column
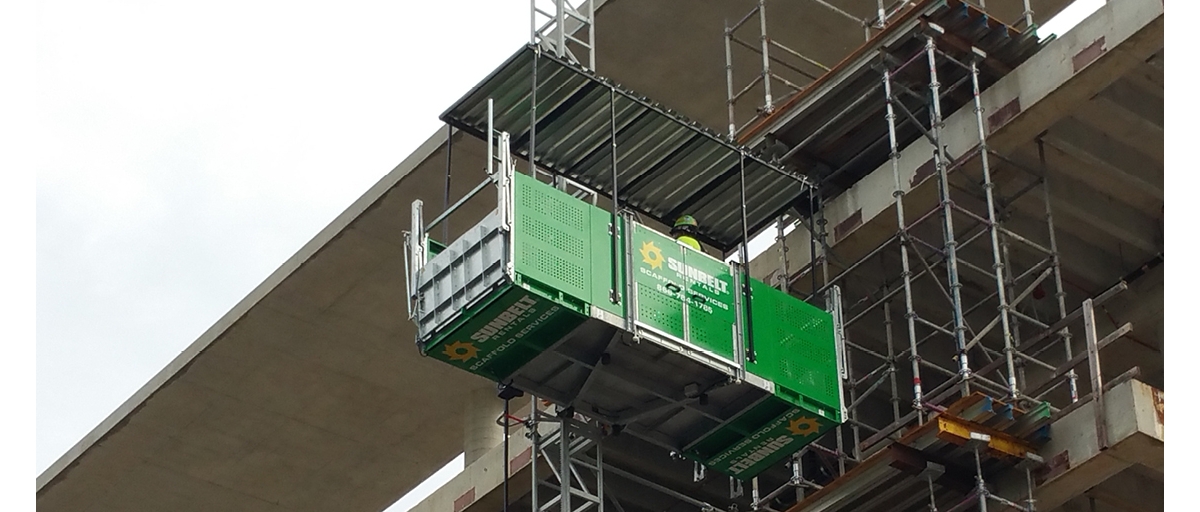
x: 480, y: 432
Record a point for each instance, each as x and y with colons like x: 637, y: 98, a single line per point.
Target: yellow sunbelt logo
x: 769, y: 440
x: 460, y: 351
x: 652, y: 255
x: 803, y: 426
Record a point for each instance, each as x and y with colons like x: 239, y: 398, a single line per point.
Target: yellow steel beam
x: 1000, y: 444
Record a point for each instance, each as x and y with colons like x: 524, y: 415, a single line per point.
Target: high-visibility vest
x: 690, y: 242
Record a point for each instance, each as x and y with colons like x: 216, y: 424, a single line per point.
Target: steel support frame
x: 576, y: 482
x: 555, y: 27
x: 567, y: 466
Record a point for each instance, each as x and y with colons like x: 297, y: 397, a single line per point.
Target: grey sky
x: 188, y: 149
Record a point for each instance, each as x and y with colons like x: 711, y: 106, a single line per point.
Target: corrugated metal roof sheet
x: 667, y: 165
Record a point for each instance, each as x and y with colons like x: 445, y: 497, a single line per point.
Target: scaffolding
x: 944, y: 303
x: 794, y: 69
x: 915, y: 85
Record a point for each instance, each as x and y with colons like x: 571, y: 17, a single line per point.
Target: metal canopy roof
x: 667, y: 165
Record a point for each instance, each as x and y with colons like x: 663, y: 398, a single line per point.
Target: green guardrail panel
x: 658, y: 288
x: 710, y: 304
x: 760, y: 437
x: 794, y: 348
x: 552, y: 238
x: 503, y: 334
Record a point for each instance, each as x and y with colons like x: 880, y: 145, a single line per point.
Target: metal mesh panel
x: 551, y: 238
x: 710, y: 303
x: 660, y: 310
x: 794, y: 345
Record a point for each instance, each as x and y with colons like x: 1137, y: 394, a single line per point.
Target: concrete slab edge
x: 114, y: 421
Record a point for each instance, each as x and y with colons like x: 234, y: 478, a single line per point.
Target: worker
x: 685, y: 231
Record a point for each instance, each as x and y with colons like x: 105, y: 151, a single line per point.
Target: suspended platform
x: 631, y: 328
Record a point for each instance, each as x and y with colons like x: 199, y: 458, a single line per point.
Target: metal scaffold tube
x: 937, y: 123
x: 768, y: 104
x: 891, y: 364
x: 1056, y: 262
x: 533, y: 115
x: 729, y: 102
x: 781, y: 240
x: 999, y: 267
x: 591, y: 23
x: 614, y: 294
x: 898, y: 196
x: 560, y: 33
x: 744, y: 260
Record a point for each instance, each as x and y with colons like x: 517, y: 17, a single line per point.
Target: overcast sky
x: 189, y: 148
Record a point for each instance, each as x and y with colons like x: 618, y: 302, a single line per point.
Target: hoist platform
x: 677, y: 353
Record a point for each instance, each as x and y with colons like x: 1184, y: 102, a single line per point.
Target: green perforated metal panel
x: 659, y: 290
x: 562, y: 246
x: 551, y: 237
x: 794, y: 347
x: 710, y: 312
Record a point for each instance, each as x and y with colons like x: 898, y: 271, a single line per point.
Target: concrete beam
x: 1106, y: 154
x: 1075, y: 462
x: 1131, y: 490
x: 1140, y: 93
x: 1104, y: 215
x: 1121, y: 123
x: 480, y: 431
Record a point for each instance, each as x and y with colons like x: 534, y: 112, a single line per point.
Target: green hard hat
x: 686, y: 220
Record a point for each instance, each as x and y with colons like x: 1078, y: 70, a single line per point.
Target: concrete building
x: 1023, y: 262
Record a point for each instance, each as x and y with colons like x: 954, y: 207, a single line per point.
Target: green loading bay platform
x: 683, y: 360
